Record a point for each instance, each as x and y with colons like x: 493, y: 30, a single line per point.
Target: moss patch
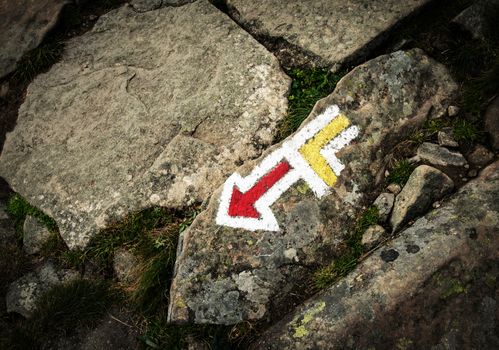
x: 308, y: 86
x: 19, y: 208
x: 341, y: 266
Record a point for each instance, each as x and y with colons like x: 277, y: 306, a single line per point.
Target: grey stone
x: 452, y: 111
x: 372, y: 236
x: 126, y: 266
x: 4, y: 89
x: 35, y: 235
x: 474, y: 19
x: 337, y: 31
x: 7, y: 227
x: 225, y: 275
x: 446, y: 138
x: 440, y: 156
x: 491, y: 119
x: 111, y: 333
x: 436, y: 283
x: 146, y: 5
x: 384, y: 203
x: 146, y: 109
x: 425, y: 186
x: 394, y: 188
x: 480, y: 156
x: 24, y: 292
x: 24, y: 25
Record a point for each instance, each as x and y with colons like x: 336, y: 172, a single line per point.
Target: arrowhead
x: 242, y: 204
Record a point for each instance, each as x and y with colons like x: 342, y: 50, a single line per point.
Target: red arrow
x: 242, y: 204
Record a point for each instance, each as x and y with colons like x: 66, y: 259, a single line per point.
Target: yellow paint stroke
x: 311, y: 150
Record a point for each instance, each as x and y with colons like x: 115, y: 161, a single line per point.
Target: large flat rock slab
x: 226, y: 274
x: 23, y: 26
x: 336, y: 31
x: 146, y: 109
x: 438, y: 290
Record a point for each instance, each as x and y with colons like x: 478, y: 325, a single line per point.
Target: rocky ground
x: 122, y: 122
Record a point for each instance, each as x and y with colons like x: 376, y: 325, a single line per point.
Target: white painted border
x: 300, y: 170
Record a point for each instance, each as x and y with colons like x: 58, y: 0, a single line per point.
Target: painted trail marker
x: 309, y: 155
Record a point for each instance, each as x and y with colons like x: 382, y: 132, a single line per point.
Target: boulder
x: 476, y: 18
x: 491, y: 118
x: 440, y: 156
x: 35, y: 235
x: 225, y: 275
x: 335, y: 31
x: 146, y: 109
x: 480, y: 156
x: 24, y: 25
x: 25, y: 291
x: 434, y: 285
x: 425, y: 186
x: 384, y: 203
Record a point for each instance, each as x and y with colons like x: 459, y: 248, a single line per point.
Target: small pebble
x: 452, y: 111
x: 394, y: 188
x: 472, y: 173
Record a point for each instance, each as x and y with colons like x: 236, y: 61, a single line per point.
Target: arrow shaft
x: 243, y: 204
x: 269, y: 180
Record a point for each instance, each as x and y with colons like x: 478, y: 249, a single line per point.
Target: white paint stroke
x: 300, y: 169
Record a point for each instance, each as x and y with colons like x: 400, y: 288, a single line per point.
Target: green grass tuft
x: 77, y: 303
x: 307, y: 88
x: 38, y: 60
x: 134, y: 233
x: 344, y: 264
x: 19, y: 208
x: 152, y: 293
x: 400, y: 172
x: 60, y: 311
x: 162, y: 335
x: 465, y: 131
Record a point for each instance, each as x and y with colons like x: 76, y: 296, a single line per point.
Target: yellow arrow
x: 311, y: 150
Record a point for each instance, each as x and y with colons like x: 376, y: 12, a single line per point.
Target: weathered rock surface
x: 440, y: 156
x: 146, y: 109
x: 149, y: 5
x: 384, y: 203
x: 125, y: 265
x: 336, y: 31
x: 372, y: 236
x: 225, y: 275
x: 435, y: 288
x: 425, y: 186
x: 492, y: 122
x: 35, y: 235
x: 23, y: 26
x: 477, y: 19
x: 24, y: 292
